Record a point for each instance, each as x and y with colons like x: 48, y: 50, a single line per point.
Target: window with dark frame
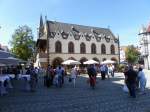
x: 82, y: 48
x: 93, y: 48
x: 112, y: 49
x: 70, y: 47
x: 58, y: 47
x: 103, y: 49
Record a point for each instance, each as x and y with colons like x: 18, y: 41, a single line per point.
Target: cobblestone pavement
x: 106, y: 97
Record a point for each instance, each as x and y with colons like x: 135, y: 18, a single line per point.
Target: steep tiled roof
x: 54, y: 26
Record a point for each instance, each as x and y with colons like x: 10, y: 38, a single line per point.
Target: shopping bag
x: 125, y: 88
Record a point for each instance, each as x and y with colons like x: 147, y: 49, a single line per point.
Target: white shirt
x: 73, y: 73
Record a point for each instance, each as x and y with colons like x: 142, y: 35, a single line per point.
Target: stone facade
x: 64, y: 41
x: 144, y: 41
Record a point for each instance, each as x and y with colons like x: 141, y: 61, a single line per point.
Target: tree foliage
x: 22, y: 42
x: 132, y: 54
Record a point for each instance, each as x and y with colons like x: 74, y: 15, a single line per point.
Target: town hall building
x: 60, y: 41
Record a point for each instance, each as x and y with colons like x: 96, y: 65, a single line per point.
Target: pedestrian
x: 142, y: 80
x: 131, y: 76
x: 59, y: 76
x: 111, y: 70
x: 125, y: 88
x: 48, y: 77
x: 102, y: 70
x: 92, y: 75
x: 33, y: 78
x: 74, y: 74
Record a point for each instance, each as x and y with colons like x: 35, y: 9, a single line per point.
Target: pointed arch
x: 82, y: 48
x: 112, y: 49
x: 72, y: 58
x: 58, y: 47
x: 57, y: 61
x: 96, y: 59
x: 93, y: 48
x: 103, y: 49
x: 70, y: 47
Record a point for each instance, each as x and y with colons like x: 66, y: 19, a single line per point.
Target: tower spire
x: 41, y: 27
x: 41, y: 21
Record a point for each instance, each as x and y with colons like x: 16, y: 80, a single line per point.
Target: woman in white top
x: 142, y: 80
x: 74, y: 73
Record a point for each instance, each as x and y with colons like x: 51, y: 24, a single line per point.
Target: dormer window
x: 52, y: 34
x: 88, y: 37
x: 64, y: 35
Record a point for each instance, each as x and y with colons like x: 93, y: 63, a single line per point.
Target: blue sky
x: 123, y: 17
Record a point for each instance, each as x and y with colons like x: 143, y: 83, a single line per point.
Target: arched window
x: 103, y: 49
x: 82, y: 48
x: 112, y: 49
x: 58, y: 47
x: 70, y: 47
x: 93, y: 48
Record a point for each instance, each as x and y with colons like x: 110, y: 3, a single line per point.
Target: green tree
x: 132, y: 54
x: 22, y: 43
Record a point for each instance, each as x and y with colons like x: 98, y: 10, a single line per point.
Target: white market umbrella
x: 108, y: 62
x: 90, y: 62
x: 9, y: 61
x: 70, y: 62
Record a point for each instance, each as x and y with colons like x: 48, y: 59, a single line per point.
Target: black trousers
x: 131, y: 87
x: 103, y: 75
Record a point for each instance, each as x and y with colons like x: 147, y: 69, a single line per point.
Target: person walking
x: 103, y: 71
x: 33, y: 79
x: 131, y: 76
x: 74, y: 74
x: 48, y: 77
x: 59, y: 75
x: 142, y: 80
x: 92, y: 75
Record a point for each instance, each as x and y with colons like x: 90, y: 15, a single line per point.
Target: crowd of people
x: 55, y: 76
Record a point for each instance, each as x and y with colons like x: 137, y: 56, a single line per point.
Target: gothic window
x: 58, y: 47
x: 112, y: 49
x: 82, y: 48
x: 71, y: 47
x: 103, y: 49
x: 93, y: 48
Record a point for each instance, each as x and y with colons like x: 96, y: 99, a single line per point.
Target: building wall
x: 64, y: 55
x: 76, y: 55
x: 77, y: 43
x: 145, y: 48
